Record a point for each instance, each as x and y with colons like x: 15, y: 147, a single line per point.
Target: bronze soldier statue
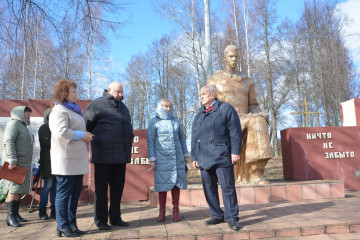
x: 237, y: 89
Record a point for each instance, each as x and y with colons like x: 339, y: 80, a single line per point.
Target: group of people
x: 105, y: 129
x: 65, y: 140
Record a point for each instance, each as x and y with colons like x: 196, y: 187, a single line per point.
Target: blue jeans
x: 67, y: 196
x: 49, y: 187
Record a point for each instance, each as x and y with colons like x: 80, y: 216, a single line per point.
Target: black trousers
x: 226, y: 179
x: 112, y: 175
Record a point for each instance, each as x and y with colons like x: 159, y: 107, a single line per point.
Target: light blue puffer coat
x: 166, y: 144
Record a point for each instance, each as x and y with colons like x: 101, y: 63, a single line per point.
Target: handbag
x: 16, y: 175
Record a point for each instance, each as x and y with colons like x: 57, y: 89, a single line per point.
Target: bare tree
x: 189, y: 15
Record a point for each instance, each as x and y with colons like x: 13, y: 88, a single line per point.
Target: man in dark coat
x: 215, y: 148
x: 108, y: 119
x: 45, y: 170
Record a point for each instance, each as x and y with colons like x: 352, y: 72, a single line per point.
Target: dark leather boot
x: 66, y: 231
x: 53, y: 212
x: 162, y: 203
x: 76, y: 230
x: 42, y: 214
x: 11, y: 219
x: 175, y: 192
x: 19, y: 218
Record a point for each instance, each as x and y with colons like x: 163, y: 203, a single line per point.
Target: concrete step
x: 276, y: 191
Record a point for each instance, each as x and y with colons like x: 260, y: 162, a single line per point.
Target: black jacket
x: 215, y: 136
x: 45, y: 144
x: 109, y: 120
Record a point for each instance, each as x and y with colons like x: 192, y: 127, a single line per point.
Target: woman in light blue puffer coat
x: 167, y: 151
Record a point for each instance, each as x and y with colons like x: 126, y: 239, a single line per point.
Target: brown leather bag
x: 16, y: 175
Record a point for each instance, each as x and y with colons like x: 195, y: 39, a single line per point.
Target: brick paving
x: 304, y: 220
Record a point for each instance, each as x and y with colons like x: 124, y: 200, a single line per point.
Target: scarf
x: 208, y: 109
x: 72, y: 106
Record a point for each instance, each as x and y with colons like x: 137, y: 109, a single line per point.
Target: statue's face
x: 231, y: 58
x: 206, y: 97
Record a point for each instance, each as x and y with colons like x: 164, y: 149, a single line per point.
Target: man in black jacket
x: 108, y: 119
x: 215, y: 147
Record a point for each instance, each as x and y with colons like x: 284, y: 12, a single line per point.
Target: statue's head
x: 231, y: 56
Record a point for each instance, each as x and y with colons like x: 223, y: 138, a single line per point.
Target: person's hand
x: 235, y: 158
x: 195, y: 164
x: 152, y: 163
x: 12, y: 166
x: 87, y: 137
x: 186, y: 159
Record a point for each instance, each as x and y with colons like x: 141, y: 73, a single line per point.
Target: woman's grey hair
x: 210, y: 88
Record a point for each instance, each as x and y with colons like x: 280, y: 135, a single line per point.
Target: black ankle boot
x: 11, y: 219
x: 18, y: 217
x: 66, y: 231
x: 42, y: 214
x: 52, y: 213
x: 76, y: 230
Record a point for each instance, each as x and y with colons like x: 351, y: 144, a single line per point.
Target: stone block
x: 337, y: 190
x: 293, y: 192
x: 308, y: 191
x: 247, y: 195
x: 315, y: 230
x: 337, y: 229
x: 259, y: 234
x: 262, y: 194
x: 355, y: 228
x: 292, y: 232
x: 323, y: 190
x: 277, y: 193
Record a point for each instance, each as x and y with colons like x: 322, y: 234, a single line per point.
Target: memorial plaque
x: 322, y: 153
x: 138, y: 176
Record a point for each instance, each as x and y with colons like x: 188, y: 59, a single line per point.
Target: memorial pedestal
x: 251, y: 194
x: 322, y: 153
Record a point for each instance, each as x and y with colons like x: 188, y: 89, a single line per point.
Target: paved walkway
x: 316, y: 219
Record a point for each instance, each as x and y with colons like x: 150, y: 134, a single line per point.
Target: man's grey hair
x: 228, y: 48
x: 210, y: 88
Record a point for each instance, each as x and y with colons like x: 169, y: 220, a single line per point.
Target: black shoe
x: 234, y: 225
x: 42, y: 214
x: 76, y: 230
x: 103, y: 226
x: 119, y: 222
x: 66, y: 231
x: 213, y: 221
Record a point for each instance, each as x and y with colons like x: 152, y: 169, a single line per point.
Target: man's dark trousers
x: 226, y: 179
x: 112, y: 175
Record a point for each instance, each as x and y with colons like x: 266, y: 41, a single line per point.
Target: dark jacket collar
x: 110, y: 97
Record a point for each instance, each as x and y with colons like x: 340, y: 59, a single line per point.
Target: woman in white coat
x: 69, y: 156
